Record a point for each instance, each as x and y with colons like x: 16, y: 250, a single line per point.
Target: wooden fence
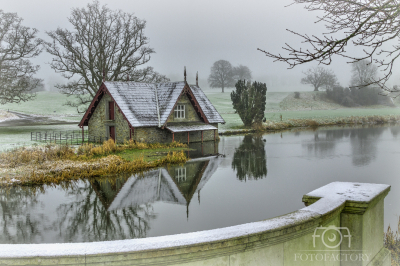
x: 70, y: 137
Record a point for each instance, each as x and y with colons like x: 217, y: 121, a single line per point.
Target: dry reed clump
x: 89, y: 149
x: 131, y: 144
x: 392, y: 242
x: 35, y: 155
x: 110, y: 165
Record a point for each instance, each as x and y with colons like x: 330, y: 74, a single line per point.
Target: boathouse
x: 149, y: 112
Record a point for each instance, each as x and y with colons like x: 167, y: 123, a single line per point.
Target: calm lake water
x: 257, y: 177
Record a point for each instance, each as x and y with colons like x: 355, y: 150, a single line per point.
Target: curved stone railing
x: 353, y: 212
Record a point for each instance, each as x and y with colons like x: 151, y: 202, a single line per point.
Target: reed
x: 392, y: 242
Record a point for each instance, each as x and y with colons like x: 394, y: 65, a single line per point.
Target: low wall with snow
x: 341, y: 225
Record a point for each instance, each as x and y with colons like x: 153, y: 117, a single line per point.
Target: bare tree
x: 363, y: 72
x: 319, y: 77
x: 241, y: 73
x: 103, y: 41
x: 221, y: 75
x: 367, y: 24
x: 39, y: 87
x: 17, y: 45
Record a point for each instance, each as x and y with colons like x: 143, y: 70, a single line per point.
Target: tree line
x: 360, y: 90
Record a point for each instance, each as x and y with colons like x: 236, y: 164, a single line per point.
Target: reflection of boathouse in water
x: 175, y: 184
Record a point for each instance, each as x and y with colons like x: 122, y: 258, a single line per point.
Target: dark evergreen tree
x: 249, y: 101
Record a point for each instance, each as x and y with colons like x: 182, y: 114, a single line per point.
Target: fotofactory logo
x: 331, y: 243
x: 332, y: 235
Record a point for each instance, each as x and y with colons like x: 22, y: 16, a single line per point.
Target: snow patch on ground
x: 4, y: 115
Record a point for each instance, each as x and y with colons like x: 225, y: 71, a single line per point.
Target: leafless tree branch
x: 17, y: 45
x: 367, y: 24
x: 102, y: 40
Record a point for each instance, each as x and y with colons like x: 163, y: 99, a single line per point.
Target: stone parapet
x: 303, y: 237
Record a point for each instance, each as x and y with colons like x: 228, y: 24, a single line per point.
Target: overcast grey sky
x: 195, y: 34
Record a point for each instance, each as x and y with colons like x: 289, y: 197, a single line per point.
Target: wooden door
x: 111, y: 110
x: 112, y: 133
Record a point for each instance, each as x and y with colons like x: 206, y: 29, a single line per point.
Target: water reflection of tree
x: 395, y: 130
x: 17, y: 225
x: 323, y: 145
x: 363, y: 143
x: 87, y: 219
x: 249, y: 159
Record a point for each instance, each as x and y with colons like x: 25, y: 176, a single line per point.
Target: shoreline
x: 273, y: 126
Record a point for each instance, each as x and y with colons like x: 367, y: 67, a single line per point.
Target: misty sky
x: 195, y: 34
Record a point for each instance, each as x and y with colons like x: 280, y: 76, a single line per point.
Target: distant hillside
x: 308, y: 100
x: 317, y: 100
x: 46, y: 103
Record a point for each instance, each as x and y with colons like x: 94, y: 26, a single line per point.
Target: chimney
x: 184, y: 74
x: 127, y: 77
x: 104, y: 75
x: 197, y: 78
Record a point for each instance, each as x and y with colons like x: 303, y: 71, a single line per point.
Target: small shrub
x: 297, y: 95
x: 312, y: 123
x: 109, y: 146
x: 85, y: 149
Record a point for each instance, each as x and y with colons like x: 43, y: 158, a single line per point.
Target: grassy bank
x: 54, y: 164
x: 313, y: 123
x: 351, y: 120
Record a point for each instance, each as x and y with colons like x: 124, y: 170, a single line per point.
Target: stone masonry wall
x: 151, y: 135
x: 155, y: 134
x: 122, y: 130
x: 99, y: 123
x: 96, y: 125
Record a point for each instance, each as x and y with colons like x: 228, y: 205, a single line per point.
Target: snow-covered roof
x: 150, y: 104
x: 189, y: 127
x: 158, y: 185
x: 208, y: 109
x: 155, y: 185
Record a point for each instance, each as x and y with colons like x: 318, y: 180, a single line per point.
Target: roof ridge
x: 158, y: 109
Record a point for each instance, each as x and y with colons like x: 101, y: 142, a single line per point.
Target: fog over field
x: 195, y: 34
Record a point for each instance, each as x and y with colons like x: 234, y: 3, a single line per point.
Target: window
x: 179, y: 111
x: 180, y: 174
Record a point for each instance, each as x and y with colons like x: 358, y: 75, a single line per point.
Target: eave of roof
x: 189, y: 127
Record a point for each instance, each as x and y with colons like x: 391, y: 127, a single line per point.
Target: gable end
x: 188, y: 92
x: 96, y: 100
